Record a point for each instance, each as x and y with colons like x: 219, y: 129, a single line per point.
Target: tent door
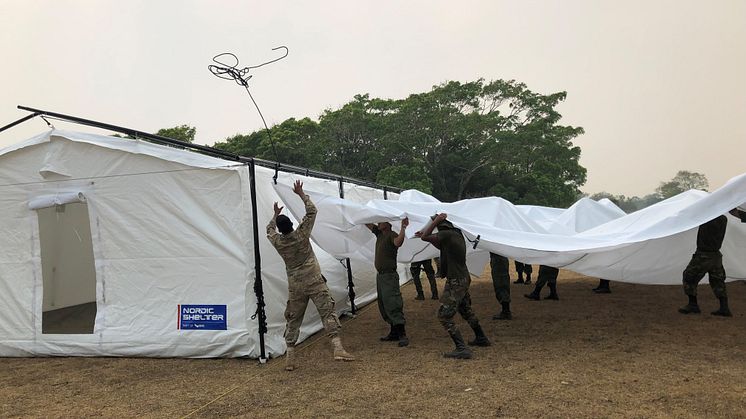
x: 68, y: 270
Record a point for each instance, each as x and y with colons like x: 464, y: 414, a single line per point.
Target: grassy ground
x: 626, y: 354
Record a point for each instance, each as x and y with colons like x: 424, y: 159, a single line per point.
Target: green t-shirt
x: 385, y: 250
x: 453, y: 251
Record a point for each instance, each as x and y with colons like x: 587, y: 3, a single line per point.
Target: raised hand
x: 298, y: 188
x: 278, y: 209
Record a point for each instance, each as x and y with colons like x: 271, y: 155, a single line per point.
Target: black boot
x: 691, y: 307
x: 479, y: 337
x: 505, y: 314
x: 552, y: 293
x: 435, y: 295
x: 433, y: 287
x: 528, y: 279
x: 420, y: 296
x: 461, y: 351
x: 603, y: 287
x: 403, y: 339
x: 392, y: 336
x: 723, y: 310
x: 535, y: 294
x: 520, y: 279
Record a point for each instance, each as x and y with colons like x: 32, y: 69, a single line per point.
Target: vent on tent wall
x: 68, y: 271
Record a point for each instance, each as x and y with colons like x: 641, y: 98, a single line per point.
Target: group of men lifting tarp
x: 306, y: 282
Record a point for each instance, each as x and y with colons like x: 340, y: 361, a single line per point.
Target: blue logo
x: 202, y: 317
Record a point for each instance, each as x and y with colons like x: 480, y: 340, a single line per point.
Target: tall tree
x: 182, y: 133
x: 683, y: 181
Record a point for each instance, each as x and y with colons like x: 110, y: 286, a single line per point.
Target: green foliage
x: 683, y: 181
x: 182, y: 133
x: 457, y: 140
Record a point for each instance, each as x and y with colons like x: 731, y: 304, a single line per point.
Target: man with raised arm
x: 304, y: 278
x: 390, y: 302
x: 455, y: 297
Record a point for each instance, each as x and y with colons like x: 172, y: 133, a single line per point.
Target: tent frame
x: 251, y: 162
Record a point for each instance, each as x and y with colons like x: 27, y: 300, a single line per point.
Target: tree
x: 683, y: 181
x: 182, y: 133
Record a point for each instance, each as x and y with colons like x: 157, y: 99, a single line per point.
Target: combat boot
x: 420, y: 296
x: 552, y: 293
x: 461, y: 351
x: 505, y: 314
x: 534, y: 295
x: 520, y: 279
x: 603, y: 287
x: 392, y: 336
x: 479, y: 337
x: 691, y: 307
x: 339, y: 351
x: 290, y: 358
x: 403, y: 339
x: 723, y: 310
x: 528, y: 279
x: 435, y: 295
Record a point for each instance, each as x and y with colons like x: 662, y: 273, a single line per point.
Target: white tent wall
x: 163, y: 234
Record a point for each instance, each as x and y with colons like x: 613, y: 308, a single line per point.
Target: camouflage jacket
x: 295, y: 247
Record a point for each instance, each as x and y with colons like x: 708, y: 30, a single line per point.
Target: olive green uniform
x: 390, y: 302
x: 499, y: 267
x: 304, y: 276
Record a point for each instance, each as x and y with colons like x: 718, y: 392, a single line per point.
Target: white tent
x: 120, y: 247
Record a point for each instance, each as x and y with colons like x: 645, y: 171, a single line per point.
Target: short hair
x: 284, y: 224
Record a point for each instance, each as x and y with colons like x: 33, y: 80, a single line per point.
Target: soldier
x: 499, y: 266
x: 522, y: 268
x: 547, y: 274
x: 415, y: 268
x: 707, y: 259
x: 304, y: 278
x: 390, y: 303
x: 455, y: 297
x: 603, y: 287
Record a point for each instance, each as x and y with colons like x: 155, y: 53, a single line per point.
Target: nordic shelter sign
x: 202, y: 317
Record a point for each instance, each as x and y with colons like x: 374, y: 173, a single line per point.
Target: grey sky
x: 658, y: 85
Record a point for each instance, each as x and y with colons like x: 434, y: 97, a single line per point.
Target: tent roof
x: 129, y: 145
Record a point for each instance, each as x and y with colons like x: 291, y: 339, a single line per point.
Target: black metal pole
x: 385, y: 193
x: 20, y: 121
x: 350, y: 283
x: 258, y: 288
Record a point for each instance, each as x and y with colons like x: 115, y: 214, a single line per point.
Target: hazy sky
x: 659, y: 86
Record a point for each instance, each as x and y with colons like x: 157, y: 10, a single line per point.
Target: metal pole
x: 350, y: 283
x: 258, y: 288
x: 14, y: 123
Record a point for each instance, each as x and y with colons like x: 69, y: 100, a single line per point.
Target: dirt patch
x: 625, y: 354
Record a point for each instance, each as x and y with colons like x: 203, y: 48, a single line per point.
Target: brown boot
x: 290, y: 359
x: 339, y: 351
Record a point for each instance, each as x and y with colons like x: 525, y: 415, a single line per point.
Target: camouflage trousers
x: 705, y: 263
x: 456, y: 299
x: 390, y: 303
x: 499, y: 267
x: 299, y: 292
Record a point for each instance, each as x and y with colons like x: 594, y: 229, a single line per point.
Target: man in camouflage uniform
x: 520, y: 269
x: 390, y: 303
x: 707, y: 259
x: 547, y: 275
x: 415, y: 268
x: 304, y: 278
x: 455, y: 297
x: 499, y: 268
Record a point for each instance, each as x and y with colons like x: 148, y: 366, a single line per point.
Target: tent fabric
x: 650, y: 246
x: 168, y: 228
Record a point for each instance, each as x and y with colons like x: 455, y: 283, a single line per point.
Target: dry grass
x: 627, y: 354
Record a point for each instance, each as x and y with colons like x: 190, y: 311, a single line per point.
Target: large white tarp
x: 650, y: 246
